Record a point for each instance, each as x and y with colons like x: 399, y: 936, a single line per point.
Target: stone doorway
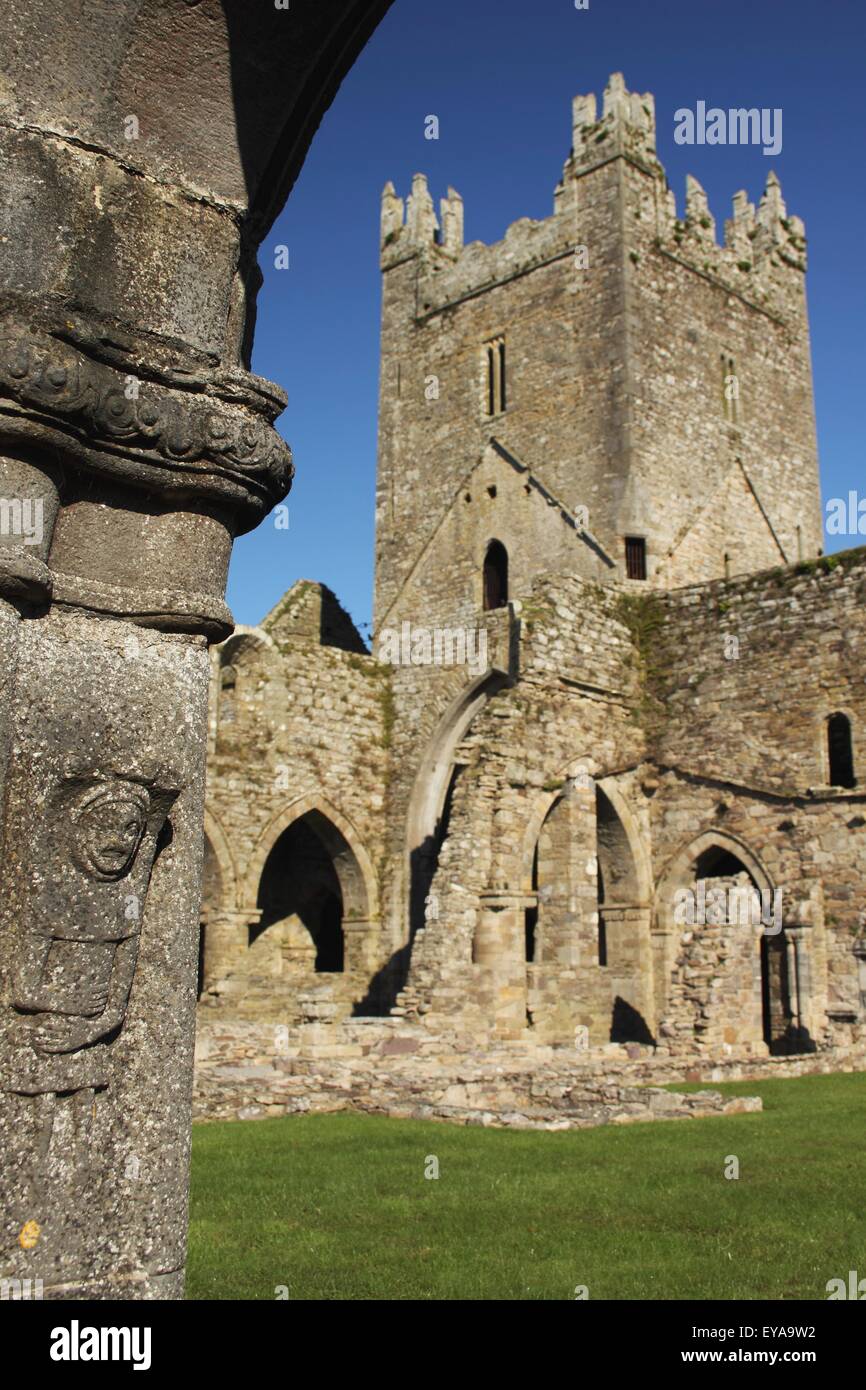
x: 736, y: 973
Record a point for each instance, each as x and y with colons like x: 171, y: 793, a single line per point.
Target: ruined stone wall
x: 308, y: 728
x: 614, y: 317
x: 746, y: 674
x: 244, y: 1071
x: 530, y: 787
x: 568, y: 712
x: 302, y: 728
x: 627, y: 735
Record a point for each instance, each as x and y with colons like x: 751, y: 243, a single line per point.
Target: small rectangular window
x: 635, y: 557
x: 494, y: 377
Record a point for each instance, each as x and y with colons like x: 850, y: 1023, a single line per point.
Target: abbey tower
x: 613, y: 361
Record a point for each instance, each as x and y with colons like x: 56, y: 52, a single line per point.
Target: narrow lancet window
x: 495, y: 576
x: 841, y: 751
x: 495, y: 394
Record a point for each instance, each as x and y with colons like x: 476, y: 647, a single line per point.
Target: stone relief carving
x: 77, y: 947
x: 183, y: 429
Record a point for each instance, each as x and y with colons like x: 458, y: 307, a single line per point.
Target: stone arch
x: 243, y: 646
x: 228, y: 664
x: 677, y: 871
x: 599, y: 929
x: 632, y: 885
x: 316, y: 903
x: 435, y: 779
x: 639, y: 879
x: 731, y: 978
x: 243, y: 641
x: 352, y: 864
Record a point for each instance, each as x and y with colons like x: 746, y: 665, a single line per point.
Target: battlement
x: 761, y: 245
x: 627, y: 127
x: 407, y: 230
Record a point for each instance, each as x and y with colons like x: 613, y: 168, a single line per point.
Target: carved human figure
x: 78, y: 944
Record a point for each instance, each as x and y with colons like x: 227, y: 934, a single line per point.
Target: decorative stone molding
x: 119, y: 425
x: 173, y: 610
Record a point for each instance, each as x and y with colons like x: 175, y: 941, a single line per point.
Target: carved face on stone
x: 109, y: 824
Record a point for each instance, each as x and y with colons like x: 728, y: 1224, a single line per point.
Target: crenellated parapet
x: 413, y: 229
x: 763, y: 257
x: 451, y: 270
x: 627, y: 126
x: 762, y: 246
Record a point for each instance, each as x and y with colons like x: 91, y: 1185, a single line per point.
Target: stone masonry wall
x: 746, y: 675
x: 302, y: 728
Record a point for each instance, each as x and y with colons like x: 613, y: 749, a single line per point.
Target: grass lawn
x: 337, y: 1206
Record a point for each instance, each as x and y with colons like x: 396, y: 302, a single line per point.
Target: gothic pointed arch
x: 352, y: 864
x: 435, y: 780
x: 697, y: 853
x: 719, y: 908
x: 587, y: 889
x: 632, y: 880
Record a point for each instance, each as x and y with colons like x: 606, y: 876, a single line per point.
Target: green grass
x: 337, y: 1206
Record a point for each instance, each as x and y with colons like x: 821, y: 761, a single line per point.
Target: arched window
x: 840, y: 751
x: 495, y: 576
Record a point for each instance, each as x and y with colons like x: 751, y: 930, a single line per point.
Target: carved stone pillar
x: 145, y: 148
x: 122, y: 492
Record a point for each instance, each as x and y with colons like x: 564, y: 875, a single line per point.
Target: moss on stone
x: 643, y: 615
x: 386, y: 701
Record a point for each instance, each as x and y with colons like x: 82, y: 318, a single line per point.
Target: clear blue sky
x: 500, y: 75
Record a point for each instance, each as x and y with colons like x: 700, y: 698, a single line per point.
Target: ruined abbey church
x: 613, y: 677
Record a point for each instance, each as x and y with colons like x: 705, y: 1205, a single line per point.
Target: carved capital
x: 138, y: 481
x: 213, y: 435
